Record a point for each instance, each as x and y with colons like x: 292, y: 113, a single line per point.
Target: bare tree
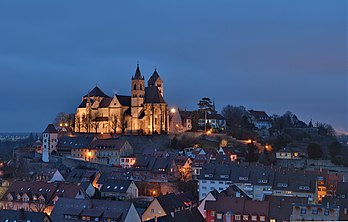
x: 95, y: 121
x: 65, y: 120
x: 78, y: 123
x: 114, y: 123
x: 123, y: 122
x: 86, y: 121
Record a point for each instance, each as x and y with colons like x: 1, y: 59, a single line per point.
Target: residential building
x: 127, y: 161
x: 68, y: 209
x: 21, y: 216
x: 260, y: 119
x: 166, y: 205
x: 144, y: 112
x: 48, y: 175
x: 77, y: 176
x: 104, y: 151
x: 215, y: 120
x: 184, y: 165
x: 312, y: 212
x: 152, y: 169
x: 280, y: 207
x: 230, y: 209
x: 38, y: 196
x: 119, y: 189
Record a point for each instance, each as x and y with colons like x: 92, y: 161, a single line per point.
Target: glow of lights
x: 208, y: 132
x: 61, y: 124
x: 249, y: 141
x: 154, y: 192
x: 102, y: 133
x: 89, y: 154
x: 172, y: 110
x: 66, y: 124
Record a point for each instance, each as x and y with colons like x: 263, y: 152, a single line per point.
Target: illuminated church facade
x: 144, y: 112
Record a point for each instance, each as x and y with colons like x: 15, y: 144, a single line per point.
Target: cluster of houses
x: 112, y: 182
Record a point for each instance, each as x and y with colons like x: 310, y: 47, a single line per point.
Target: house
x: 88, y: 188
x: 48, y: 175
x: 188, y: 215
x: 341, y: 202
x: 236, y: 209
x: 127, y: 161
x: 291, y: 157
x: 67, y: 143
x: 78, y: 176
x: 257, y: 181
x: 38, y: 196
x: 68, y: 209
x: 260, y: 119
x: 166, y: 205
x: 280, y: 207
x: 313, y: 212
x: 152, y: 169
x: 21, y: 215
x: 231, y: 152
x: 104, y: 151
x: 119, y: 189
x: 184, y: 165
x: 215, y: 120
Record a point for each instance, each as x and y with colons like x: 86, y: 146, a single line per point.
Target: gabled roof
x: 50, y: 129
x: 96, y: 92
x: 153, y: 78
x: 81, y: 141
x: 105, y: 102
x: 152, y: 95
x: 109, y: 143
x: 117, y: 210
x: 137, y: 74
x: 124, y: 100
x: 84, y: 103
x: 280, y: 207
x: 170, y: 202
x: 115, y: 186
x: 18, y: 215
x: 189, y: 215
x: 259, y: 114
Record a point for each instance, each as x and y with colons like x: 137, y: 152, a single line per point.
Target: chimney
x: 21, y: 214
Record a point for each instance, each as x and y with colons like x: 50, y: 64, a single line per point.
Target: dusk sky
x: 265, y: 55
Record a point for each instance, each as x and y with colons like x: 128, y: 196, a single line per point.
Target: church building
x: 144, y: 112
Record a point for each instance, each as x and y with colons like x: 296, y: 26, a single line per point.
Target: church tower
x: 155, y: 80
x: 137, y: 100
x: 49, y: 142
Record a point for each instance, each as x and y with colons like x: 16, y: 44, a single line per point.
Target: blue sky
x: 265, y: 55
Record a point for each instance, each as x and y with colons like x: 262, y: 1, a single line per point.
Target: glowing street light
x: 173, y: 110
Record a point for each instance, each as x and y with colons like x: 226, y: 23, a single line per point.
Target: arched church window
x: 135, y: 87
x: 141, y: 87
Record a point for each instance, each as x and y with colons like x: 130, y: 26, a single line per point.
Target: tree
x: 314, y: 151
x: 87, y: 121
x: 114, y: 123
x: 325, y: 129
x: 95, y: 121
x: 123, y: 123
x: 65, y: 120
x: 206, y: 105
x: 251, y: 153
x: 78, y: 123
x: 234, y: 115
x: 334, y: 149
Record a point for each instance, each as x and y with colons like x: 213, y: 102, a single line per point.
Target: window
x: 212, y: 213
x: 152, y: 211
x: 237, y: 217
x: 245, y: 217
x: 219, y: 216
x: 254, y: 218
x: 262, y: 218
x: 243, y: 178
x: 303, y: 211
x: 315, y: 211
x: 326, y: 212
x: 204, y: 188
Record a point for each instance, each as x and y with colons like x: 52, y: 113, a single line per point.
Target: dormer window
x: 304, y: 187
x: 224, y: 176
x: 243, y: 178
x: 208, y: 175
x: 262, y: 181
x: 282, y: 185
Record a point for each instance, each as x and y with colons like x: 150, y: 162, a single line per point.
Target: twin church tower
x: 144, y: 112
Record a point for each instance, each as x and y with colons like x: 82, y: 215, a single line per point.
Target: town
x: 136, y: 158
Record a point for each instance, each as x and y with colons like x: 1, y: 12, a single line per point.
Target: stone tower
x: 137, y: 100
x: 49, y: 142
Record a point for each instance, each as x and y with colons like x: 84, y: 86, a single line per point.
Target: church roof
x: 153, y: 78
x: 105, y: 102
x: 96, y: 92
x: 152, y: 95
x: 50, y: 129
x: 124, y: 100
x: 83, y: 103
x: 137, y: 74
